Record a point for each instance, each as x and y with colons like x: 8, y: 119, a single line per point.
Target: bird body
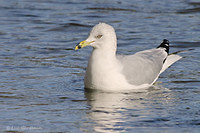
x: 110, y: 72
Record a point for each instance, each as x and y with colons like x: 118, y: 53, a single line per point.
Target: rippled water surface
x: 41, y: 76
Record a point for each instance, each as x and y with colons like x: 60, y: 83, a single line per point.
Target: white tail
x: 169, y: 61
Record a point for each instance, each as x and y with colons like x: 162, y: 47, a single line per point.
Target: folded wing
x: 143, y: 67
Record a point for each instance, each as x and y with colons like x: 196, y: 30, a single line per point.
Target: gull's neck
x: 104, y: 54
x: 102, y: 64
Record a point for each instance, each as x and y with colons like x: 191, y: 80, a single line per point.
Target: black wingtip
x: 165, y: 45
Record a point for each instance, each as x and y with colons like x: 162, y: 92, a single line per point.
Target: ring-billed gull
x: 110, y: 72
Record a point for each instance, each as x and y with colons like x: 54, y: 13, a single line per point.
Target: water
x: 41, y: 86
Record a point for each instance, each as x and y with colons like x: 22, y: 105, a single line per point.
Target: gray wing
x: 143, y: 67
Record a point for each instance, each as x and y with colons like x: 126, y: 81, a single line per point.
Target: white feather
x: 169, y: 61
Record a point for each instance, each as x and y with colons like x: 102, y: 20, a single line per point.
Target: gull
x: 108, y: 71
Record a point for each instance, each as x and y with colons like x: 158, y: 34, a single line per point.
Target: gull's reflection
x: 108, y: 110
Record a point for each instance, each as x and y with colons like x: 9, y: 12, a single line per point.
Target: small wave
x: 186, y: 44
x: 111, y: 9
x: 75, y: 25
x: 184, y: 81
x: 194, y: 3
x: 63, y: 27
x: 189, y: 11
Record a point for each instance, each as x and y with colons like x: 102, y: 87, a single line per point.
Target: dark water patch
x: 39, y: 104
x: 181, y: 89
x: 36, y: 21
x: 63, y: 97
x: 180, y: 51
x: 110, y: 9
x: 189, y: 11
x: 155, y: 120
x: 2, y: 33
x: 57, y: 49
x: 12, y: 97
x: 36, y: 8
x: 100, y: 111
x: 75, y: 3
x: 95, y: 16
x: 194, y: 122
x: 59, y: 2
x: 52, y: 51
x: 6, y: 93
x: 26, y: 15
x: 82, y: 100
x: 185, y: 81
x: 69, y: 49
x: 194, y: 3
x: 75, y: 25
x: 179, y: 44
x: 68, y: 26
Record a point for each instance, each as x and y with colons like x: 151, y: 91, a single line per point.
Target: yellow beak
x: 82, y: 44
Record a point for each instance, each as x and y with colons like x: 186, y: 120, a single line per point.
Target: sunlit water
x: 41, y: 76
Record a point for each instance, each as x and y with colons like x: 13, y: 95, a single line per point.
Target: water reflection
x: 111, y: 111
x: 108, y: 110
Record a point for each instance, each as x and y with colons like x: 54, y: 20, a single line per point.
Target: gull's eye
x: 99, y: 36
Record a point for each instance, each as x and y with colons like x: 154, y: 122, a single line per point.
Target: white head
x: 101, y: 36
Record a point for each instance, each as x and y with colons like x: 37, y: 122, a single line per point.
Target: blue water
x: 41, y: 76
